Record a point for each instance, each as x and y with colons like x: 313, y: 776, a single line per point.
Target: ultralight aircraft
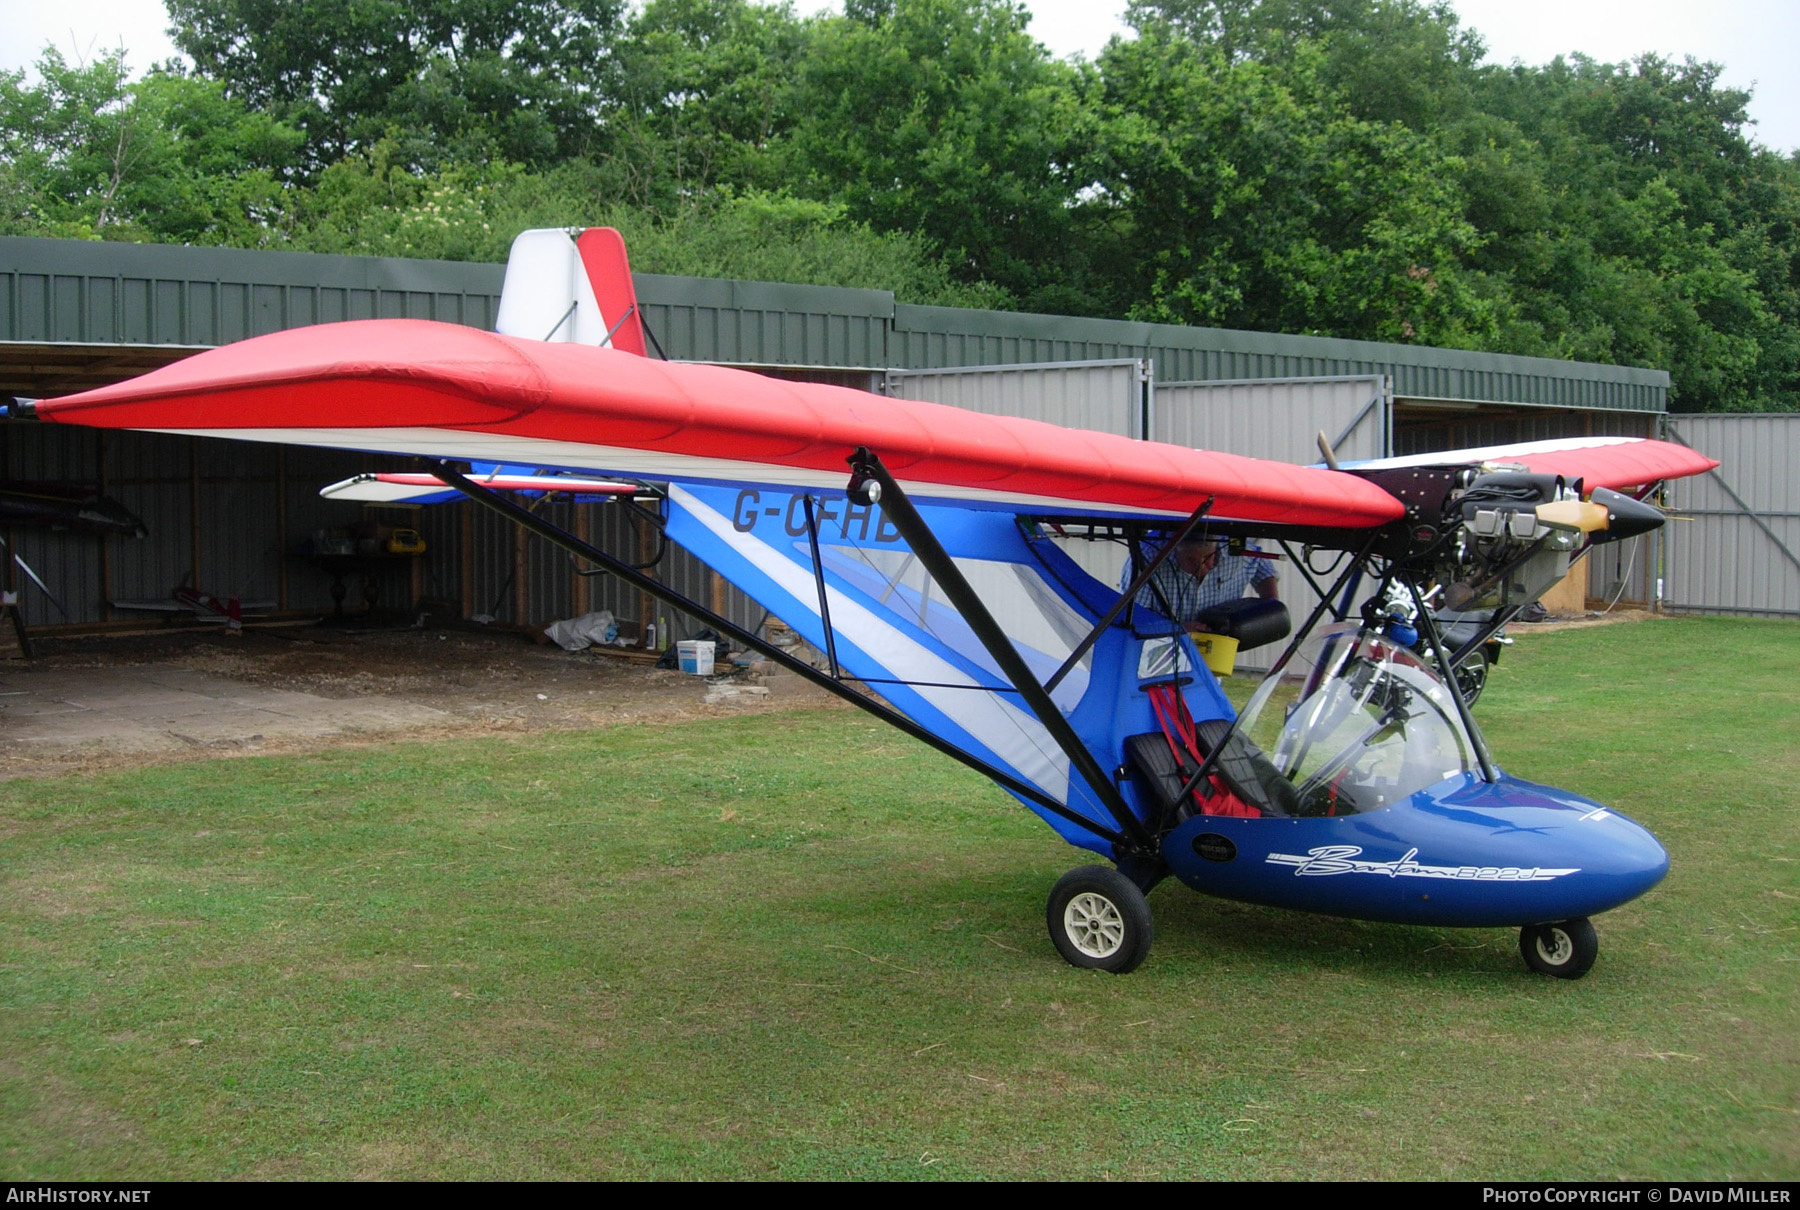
x: 935, y: 558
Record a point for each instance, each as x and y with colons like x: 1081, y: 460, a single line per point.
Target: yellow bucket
x: 1219, y: 651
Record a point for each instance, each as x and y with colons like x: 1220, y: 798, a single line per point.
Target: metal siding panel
x: 134, y: 311
x: 1101, y: 396
x: 551, y: 586
x: 1279, y: 420
x: 148, y: 474
x: 1276, y: 419
x: 234, y: 321
x: 101, y: 314
x: 202, y: 314
x: 308, y: 470
x: 440, y: 525
x: 69, y: 563
x: 1721, y: 561
x: 65, y: 309
x: 266, y: 311
x: 610, y: 529
x: 167, y: 313
x: 492, y: 549
x: 240, y: 547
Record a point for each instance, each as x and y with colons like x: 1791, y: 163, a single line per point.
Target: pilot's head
x: 1197, y: 556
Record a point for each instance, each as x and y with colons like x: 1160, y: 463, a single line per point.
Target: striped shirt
x: 1230, y: 577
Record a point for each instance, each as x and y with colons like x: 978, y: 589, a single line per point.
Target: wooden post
x: 580, y: 594
x: 194, y: 511
x: 281, y: 533
x: 106, y: 610
x: 465, y: 526
x: 521, y: 577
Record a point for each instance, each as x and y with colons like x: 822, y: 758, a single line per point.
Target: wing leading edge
x: 439, y: 390
x: 1611, y: 462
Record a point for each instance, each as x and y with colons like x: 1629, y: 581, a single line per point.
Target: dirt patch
x: 1582, y: 621
x: 106, y: 701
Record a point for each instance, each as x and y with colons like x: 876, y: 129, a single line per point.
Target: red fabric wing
x: 397, y: 373
x: 1622, y: 466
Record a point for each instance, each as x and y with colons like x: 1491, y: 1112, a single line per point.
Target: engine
x: 1492, y: 538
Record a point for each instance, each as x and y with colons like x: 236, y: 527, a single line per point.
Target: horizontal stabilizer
x: 411, y: 488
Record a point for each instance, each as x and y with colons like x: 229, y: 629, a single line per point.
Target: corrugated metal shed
x: 1425, y: 428
x: 1740, y: 553
x: 76, y: 292
x: 223, y: 515
x: 1277, y: 418
x: 74, y: 314
x: 766, y: 323
x: 944, y: 336
x: 1104, y: 396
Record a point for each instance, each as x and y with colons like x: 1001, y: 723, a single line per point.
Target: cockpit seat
x: 1251, y: 783
x: 1245, y: 771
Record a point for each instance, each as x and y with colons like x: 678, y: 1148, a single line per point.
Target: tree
x: 442, y: 79
x: 943, y: 118
x: 702, y: 90
x: 1636, y: 223
x: 1254, y: 199
x: 85, y: 154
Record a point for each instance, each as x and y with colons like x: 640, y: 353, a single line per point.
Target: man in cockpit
x: 1200, y: 576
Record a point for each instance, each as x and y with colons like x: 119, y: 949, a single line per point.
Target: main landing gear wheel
x: 1471, y: 676
x: 1565, y: 949
x: 1099, y: 920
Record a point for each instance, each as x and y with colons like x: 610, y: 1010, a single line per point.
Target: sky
x: 1754, y: 39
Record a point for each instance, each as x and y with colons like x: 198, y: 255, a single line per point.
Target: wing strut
x: 662, y: 592
x: 867, y: 473
x: 818, y: 562
x: 1428, y: 623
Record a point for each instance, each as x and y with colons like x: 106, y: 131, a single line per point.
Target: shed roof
x: 119, y: 300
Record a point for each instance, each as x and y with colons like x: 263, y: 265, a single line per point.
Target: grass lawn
x: 800, y: 945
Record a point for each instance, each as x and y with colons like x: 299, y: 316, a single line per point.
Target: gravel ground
x: 117, y: 700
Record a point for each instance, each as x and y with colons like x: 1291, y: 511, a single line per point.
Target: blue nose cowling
x: 1462, y: 853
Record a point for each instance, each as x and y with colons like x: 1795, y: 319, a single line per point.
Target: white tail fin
x: 552, y: 276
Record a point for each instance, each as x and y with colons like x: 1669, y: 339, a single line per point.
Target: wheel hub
x: 1094, y: 925
x: 1555, y: 946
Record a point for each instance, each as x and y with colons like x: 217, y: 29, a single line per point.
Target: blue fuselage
x: 1463, y: 853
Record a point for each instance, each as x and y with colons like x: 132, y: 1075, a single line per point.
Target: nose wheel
x: 1564, y: 950
x: 1099, y: 920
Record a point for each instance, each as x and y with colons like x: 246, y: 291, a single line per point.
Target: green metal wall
x: 940, y: 336
x: 100, y: 293
x: 82, y: 292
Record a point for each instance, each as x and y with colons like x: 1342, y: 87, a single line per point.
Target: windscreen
x: 1357, y: 723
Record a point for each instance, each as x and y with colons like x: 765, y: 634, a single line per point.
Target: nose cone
x: 1619, y: 859
x: 1582, y: 858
